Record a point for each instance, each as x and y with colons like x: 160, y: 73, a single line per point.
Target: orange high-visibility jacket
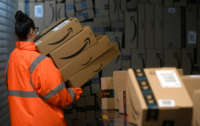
x: 36, y: 91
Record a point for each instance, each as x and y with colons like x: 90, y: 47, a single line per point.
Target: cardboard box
x: 159, y: 27
x: 149, y: 26
x: 191, y: 83
x: 131, y: 29
x: 172, y: 27
x: 36, y: 11
x: 141, y: 28
x: 119, y: 82
x: 187, y: 60
x: 107, y: 101
x: 60, y: 10
x: 85, y: 14
x: 154, y: 58
x: 87, y: 73
x: 50, y: 12
x: 70, y: 8
x: 196, y: 121
x: 83, y: 5
x: 115, y: 64
x: 58, y: 35
x: 49, y: 28
x: 173, y: 58
x: 138, y: 58
x: 153, y: 98
x: 83, y: 59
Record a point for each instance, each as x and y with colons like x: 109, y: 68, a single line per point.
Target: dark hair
x: 23, y: 25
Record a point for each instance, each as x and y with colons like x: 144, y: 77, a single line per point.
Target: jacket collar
x: 25, y: 45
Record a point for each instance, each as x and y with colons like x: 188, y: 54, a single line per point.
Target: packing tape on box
x: 152, y: 112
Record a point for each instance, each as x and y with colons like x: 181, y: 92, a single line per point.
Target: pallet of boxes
x: 77, y: 52
x: 153, y: 96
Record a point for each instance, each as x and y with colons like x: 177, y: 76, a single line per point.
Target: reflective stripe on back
x: 28, y: 94
x: 24, y: 94
x: 36, y: 62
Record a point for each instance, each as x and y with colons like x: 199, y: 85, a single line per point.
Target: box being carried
x: 76, y: 51
x: 57, y: 34
x: 157, y: 97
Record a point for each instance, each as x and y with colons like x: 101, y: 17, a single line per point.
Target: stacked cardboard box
x: 107, y: 94
x: 192, y: 85
x: 76, y: 51
x: 152, y: 96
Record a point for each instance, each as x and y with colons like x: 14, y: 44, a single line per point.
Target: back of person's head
x: 23, y: 25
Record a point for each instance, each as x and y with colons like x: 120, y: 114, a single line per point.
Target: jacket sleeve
x: 49, y: 85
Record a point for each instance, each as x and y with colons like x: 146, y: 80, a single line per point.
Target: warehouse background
x: 150, y: 33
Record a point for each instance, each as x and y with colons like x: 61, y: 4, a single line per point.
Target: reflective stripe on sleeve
x: 24, y: 94
x: 70, y: 90
x: 54, y: 91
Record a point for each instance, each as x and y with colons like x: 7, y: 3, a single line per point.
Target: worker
x: 37, y: 93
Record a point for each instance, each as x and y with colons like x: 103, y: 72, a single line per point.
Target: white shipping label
x: 61, y: 25
x: 38, y: 11
x: 166, y: 103
x: 192, y: 37
x: 168, y: 79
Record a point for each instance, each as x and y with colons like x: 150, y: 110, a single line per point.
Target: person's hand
x: 78, y: 92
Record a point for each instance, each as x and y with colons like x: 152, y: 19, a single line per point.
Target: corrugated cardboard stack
x: 76, y: 51
x: 152, y: 96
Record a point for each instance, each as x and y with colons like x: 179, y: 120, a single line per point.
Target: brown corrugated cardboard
x: 107, y: 103
x: 196, y: 119
x: 58, y: 35
x: 149, y: 26
x: 131, y: 29
x: 141, y: 29
x: 90, y: 71
x: 158, y: 97
x: 82, y: 60
x: 37, y: 14
x: 49, y: 28
x: 191, y: 83
x: 73, y: 47
x: 138, y: 58
x: 119, y: 82
x: 60, y: 10
x: 172, y: 27
x: 50, y: 12
x: 154, y: 58
x: 180, y: 71
x: 159, y: 27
